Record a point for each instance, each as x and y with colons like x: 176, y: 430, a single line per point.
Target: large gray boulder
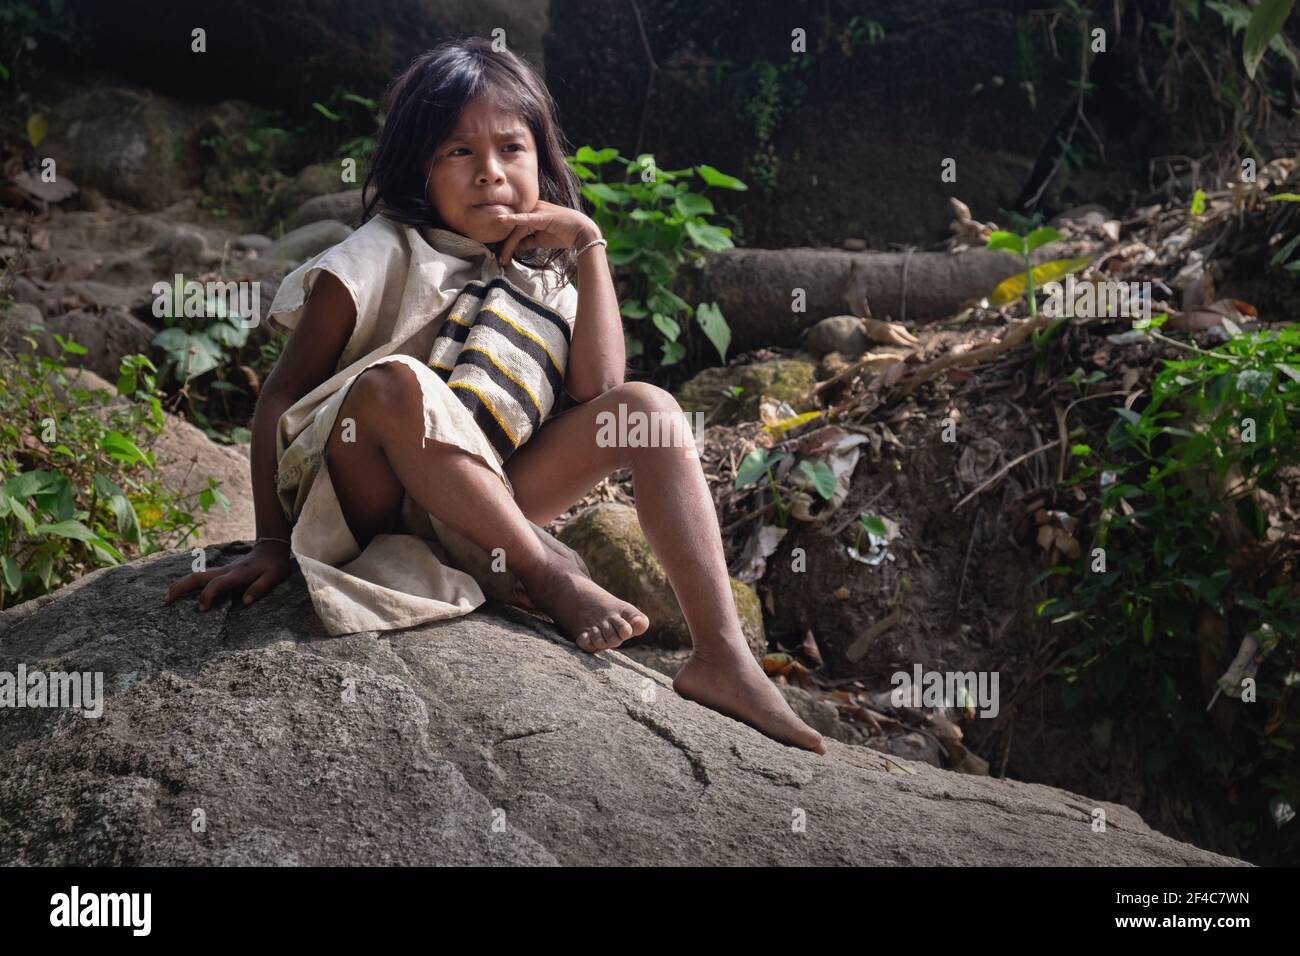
x: 125, y: 142
x: 245, y: 735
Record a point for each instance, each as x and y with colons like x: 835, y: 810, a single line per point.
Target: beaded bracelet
x: 595, y: 242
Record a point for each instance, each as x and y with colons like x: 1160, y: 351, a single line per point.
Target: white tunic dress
x: 406, y: 284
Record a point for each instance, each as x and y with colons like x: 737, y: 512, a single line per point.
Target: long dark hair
x: 420, y: 109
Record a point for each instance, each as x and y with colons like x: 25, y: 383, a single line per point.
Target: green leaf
x: 121, y: 448
x: 693, y: 204
x: 635, y: 309
x: 24, y: 516
x: 754, y: 465
x: 601, y: 193
x: 326, y: 112
x: 1283, y: 197
x: 57, y: 501
x: 1198, y: 202
x: 1284, y: 253
x: 673, y: 352
x: 68, y: 529
x: 1007, y: 242
x: 193, y: 353
x: 663, y: 299
x: 591, y: 157
x: 667, y: 326
x: 873, y: 525
x: 821, y: 476
x: 713, y: 238
x: 128, y: 524
x: 1041, y: 237
x: 1264, y: 25
x: 715, y: 178
x: 710, y: 320
x: 13, y: 574
x: 228, y: 335
x: 30, y: 483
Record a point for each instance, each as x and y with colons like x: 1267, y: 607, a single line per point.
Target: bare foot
x: 733, y: 683
x: 594, y: 618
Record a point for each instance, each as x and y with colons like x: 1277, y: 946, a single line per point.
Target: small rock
x: 304, y: 242
x: 839, y: 333
x: 108, y: 336
x: 251, y: 240
x: 179, y: 247
x: 342, y: 207
x: 783, y: 379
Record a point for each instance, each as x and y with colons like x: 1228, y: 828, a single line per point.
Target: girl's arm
x: 597, y: 356
x: 311, y: 354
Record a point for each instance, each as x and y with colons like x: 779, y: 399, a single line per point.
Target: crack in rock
x: 525, y: 734
x: 663, y: 730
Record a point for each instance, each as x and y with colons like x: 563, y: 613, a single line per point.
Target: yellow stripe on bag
x: 488, y: 405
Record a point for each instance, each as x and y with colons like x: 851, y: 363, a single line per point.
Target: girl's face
x: 490, y: 157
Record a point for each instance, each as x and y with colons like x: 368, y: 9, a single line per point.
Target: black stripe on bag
x: 531, y: 304
x: 487, y: 422
x: 528, y: 346
x: 511, y: 388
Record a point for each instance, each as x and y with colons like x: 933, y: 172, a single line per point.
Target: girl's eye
x: 457, y: 148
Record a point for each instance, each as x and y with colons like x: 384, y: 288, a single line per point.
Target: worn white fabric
x: 403, y: 281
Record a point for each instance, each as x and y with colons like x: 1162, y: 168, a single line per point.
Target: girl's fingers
x: 259, y: 587
x: 512, y: 240
x: 220, y: 584
x: 188, y: 583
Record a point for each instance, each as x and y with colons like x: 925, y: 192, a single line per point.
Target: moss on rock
x: 785, y: 379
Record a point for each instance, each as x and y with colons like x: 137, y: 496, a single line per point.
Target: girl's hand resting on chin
x: 547, y: 226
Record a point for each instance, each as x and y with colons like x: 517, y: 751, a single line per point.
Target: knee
x: 385, y: 387
x: 645, y: 397
x: 653, y: 416
x: 380, y: 394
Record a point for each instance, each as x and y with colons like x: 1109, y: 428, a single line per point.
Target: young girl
x: 422, y: 370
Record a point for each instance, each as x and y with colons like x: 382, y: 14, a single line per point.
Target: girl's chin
x: 487, y: 235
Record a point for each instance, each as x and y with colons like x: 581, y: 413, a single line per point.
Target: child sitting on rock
x: 405, y: 450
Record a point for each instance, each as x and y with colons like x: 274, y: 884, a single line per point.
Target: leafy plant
x: 655, y: 223
x: 215, y: 341
x: 875, y: 529
x: 758, y: 464
x: 1262, y: 26
x: 336, y: 112
x: 1011, y: 289
x: 1283, y: 255
x: 1221, y: 426
x: 78, y: 483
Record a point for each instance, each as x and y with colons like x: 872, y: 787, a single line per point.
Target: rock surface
x: 484, y: 739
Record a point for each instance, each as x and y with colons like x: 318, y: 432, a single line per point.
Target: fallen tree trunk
x: 755, y: 288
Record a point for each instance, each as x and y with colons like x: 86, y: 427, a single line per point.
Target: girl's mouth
x: 495, y: 208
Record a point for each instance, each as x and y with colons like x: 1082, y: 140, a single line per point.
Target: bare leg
x: 564, y: 460
x: 388, y: 456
